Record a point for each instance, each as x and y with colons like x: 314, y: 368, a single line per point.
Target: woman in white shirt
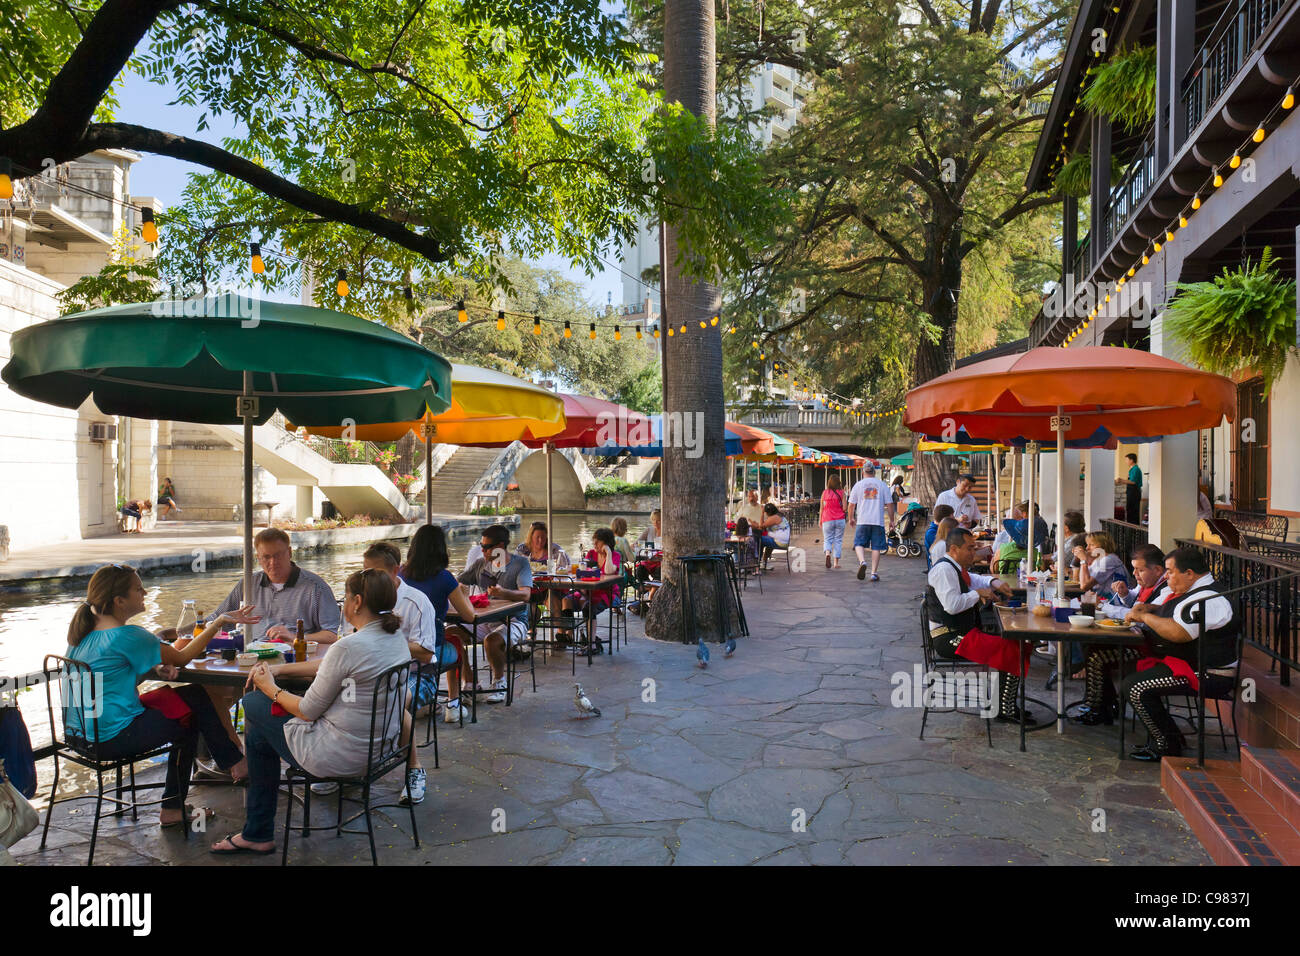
x: 326, y: 731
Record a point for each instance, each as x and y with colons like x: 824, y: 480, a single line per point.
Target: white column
x: 1047, y: 496
x: 1172, y: 479
x: 1099, y: 487
x: 303, y: 504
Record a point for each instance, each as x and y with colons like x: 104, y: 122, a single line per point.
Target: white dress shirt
x: 419, y: 620
x: 945, y: 578
x: 965, y: 506
x: 1218, y: 610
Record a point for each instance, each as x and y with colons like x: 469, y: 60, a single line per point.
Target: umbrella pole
x: 550, y: 551
x: 997, y: 490
x: 1060, y: 564
x: 248, y: 415
x: 428, y: 479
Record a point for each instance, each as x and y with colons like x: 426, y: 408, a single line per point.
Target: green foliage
x: 606, y: 487
x: 1124, y: 88
x: 642, y: 391
x: 492, y: 510
x: 1075, y: 177
x: 125, y: 277
x: 1242, y: 320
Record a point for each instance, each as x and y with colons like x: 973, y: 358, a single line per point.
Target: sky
x: 164, y: 178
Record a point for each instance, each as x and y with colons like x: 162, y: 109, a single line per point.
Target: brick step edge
x: 1275, y: 776
x: 1229, y: 833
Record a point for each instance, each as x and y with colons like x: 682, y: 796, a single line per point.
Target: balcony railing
x: 1220, y: 58
x: 1127, y: 537
x: 1132, y: 189
x: 1082, y: 257
x: 796, y: 417
x: 1268, y: 610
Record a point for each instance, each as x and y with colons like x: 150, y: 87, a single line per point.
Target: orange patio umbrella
x: 1065, y: 394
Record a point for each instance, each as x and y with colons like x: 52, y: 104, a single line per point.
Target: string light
x: 1145, y: 259
x: 672, y: 332
x: 501, y: 320
x: 682, y: 329
x: 618, y: 336
x: 1196, y: 201
x: 655, y: 333
x: 537, y: 325
x: 568, y: 330
x: 255, y: 251
x: 1182, y: 222
x: 1218, y: 178
x: 6, y: 182
x: 638, y: 333
x: 1235, y: 161
x: 1288, y: 101
x: 713, y: 321
x: 592, y: 334
x: 703, y: 324
x: 461, y: 315
x: 342, y: 287
x: 1259, y: 134
x: 148, y: 228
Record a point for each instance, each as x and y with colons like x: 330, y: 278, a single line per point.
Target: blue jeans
x: 265, y: 747
x: 770, y: 542
x: 833, y: 537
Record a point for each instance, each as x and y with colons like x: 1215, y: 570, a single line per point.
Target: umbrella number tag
x: 1061, y: 423
x: 247, y: 406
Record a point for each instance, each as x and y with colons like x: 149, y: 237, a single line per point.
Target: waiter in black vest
x: 952, y: 603
x: 1171, y: 663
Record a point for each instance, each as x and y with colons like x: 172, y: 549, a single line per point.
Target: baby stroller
x: 907, y: 539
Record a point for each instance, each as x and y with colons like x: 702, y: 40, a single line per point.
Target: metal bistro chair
x: 385, y: 755
x: 939, y: 671
x: 433, y: 671
x: 747, y: 563
x: 76, y: 682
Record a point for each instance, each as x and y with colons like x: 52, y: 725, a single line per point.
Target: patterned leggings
x: 1143, y: 690
x: 1098, y: 665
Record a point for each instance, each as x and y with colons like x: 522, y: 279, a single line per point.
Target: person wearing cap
x: 964, y: 506
x: 869, y: 501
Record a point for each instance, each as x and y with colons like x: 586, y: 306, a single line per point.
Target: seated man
x: 952, y: 598
x: 940, y: 512
x: 1172, y: 661
x: 1100, y: 705
x: 507, y: 576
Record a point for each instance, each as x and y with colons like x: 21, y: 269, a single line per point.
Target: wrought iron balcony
x: 1220, y: 58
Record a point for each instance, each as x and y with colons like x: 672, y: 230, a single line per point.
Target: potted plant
x: 1124, y: 88
x: 1242, y: 319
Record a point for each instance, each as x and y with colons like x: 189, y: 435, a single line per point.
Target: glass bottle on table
x: 300, y: 643
x: 188, y: 620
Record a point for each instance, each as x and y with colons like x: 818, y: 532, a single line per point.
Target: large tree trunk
x: 933, y: 359
x: 693, y: 487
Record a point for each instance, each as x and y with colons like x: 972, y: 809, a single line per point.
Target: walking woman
x: 119, y: 655
x: 832, y: 519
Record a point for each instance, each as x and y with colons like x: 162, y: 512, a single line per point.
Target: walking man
x: 867, y: 503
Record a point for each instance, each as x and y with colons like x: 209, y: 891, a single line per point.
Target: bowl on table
x: 1080, y: 620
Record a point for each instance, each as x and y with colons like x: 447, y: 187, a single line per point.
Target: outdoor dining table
x: 1020, y: 625
x: 571, y: 583
x: 215, y: 671
x: 497, y: 610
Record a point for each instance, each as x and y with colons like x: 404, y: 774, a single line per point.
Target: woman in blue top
x: 120, y: 656
x: 426, y: 570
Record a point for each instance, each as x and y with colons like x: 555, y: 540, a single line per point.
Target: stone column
x: 303, y: 503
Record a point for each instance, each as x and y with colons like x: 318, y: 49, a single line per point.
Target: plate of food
x: 1112, y: 624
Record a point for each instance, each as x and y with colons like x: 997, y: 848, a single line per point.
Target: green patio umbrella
x: 225, y: 360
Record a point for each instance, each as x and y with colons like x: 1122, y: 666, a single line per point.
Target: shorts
x: 871, y: 536
x: 516, y: 628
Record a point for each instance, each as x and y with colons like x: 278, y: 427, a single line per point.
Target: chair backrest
x: 925, y: 637
x: 387, y: 708
x: 79, y: 692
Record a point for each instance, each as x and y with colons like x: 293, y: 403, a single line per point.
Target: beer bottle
x: 300, y: 644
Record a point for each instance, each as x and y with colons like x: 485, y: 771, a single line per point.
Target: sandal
x: 235, y: 848
x: 208, y: 814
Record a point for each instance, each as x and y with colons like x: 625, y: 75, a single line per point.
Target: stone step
x: 1234, y: 822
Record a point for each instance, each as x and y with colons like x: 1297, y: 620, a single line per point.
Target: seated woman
x: 426, y: 570
x: 775, y: 528
x: 626, y: 556
x: 1099, y: 565
x: 604, y: 558
x: 647, y: 569
x: 122, y: 655
x: 327, y: 730
x: 538, y: 548
x: 940, y: 546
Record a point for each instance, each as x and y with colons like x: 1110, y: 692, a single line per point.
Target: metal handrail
x: 1220, y: 58
x: 1127, y: 195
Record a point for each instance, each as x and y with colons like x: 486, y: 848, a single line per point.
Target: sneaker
x: 862, y: 572
x: 414, y: 792
x: 451, y: 712
x: 324, y: 788
x: 498, y: 694
x: 875, y: 577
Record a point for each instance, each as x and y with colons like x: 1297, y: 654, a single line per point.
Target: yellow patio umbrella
x: 487, y: 408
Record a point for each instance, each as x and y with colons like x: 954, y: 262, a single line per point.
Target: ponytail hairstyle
x: 110, y: 582
x: 378, y: 596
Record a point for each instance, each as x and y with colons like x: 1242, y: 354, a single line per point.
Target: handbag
x: 17, y: 817
x: 16, y: 751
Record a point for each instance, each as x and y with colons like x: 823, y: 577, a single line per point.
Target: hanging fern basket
x: 1124, y: 88
x: 1242, y: 320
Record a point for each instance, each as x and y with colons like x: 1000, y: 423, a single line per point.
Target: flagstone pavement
x: 788, y: 753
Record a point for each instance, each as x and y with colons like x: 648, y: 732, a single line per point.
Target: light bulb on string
x: 148, y: 228
x: 592, y: 334
x: 1146, y: 259
x: 671, y: 331
x: 461, y: 314
x: 655, y: 333
x: 6, y: 180
x: 537, y: 325
x: 1196, y: 201
x: 638, y: 333
x: 1235, y: 161
x: 618, y: 336
x: 713, y: 321
x: 501, y: 320
x: 255, y: 253
x: 1288, y: 101
x: 342, y: 287
x: 1218, y: 179
x: 568, y: 330
x: 703, y: 324
x: 1182, y: 222
x: 1258, y: 135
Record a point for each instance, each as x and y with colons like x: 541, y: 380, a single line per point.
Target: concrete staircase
x: 352, y: 488
x: 457, y: 476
